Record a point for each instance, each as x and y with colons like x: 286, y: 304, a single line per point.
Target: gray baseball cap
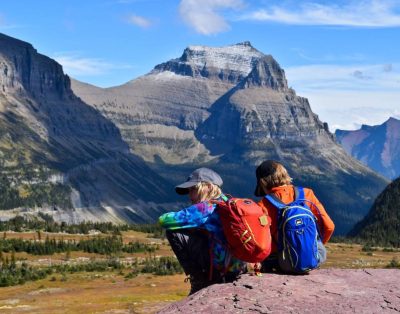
x: 199, y: 175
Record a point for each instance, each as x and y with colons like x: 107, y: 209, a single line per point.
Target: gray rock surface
x: 322, y: 291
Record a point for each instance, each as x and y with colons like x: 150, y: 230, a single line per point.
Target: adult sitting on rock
x: 299, y: 223
x: 196, y: 232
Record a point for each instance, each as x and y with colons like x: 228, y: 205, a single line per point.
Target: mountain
x: 230, y: 108
x: 382, y: 224
x: 377, y: 146
x: 60, y: 154
x: 158, y: 113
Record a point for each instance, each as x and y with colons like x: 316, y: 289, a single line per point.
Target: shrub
x: 394, y: 263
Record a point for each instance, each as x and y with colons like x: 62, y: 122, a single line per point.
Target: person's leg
x: 192, y: 251
x: 270, y: 264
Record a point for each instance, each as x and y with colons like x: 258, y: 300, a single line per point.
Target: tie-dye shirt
x: 204, y: 216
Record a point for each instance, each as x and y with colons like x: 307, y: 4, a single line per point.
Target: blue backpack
x: 298, y: 234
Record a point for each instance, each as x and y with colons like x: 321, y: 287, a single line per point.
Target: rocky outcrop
x: 230, y: 108
x: 377, y: 146
x: 323, y: 291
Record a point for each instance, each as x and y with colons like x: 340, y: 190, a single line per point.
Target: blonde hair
x: 278, y: 177
x: 207, y: 191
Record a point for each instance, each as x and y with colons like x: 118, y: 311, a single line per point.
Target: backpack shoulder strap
x: 221, y: 199
x: 224, y: 197
x: 275, y: 201
x: 298, y: 193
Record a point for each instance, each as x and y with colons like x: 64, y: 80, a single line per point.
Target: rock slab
x: 322, y: 291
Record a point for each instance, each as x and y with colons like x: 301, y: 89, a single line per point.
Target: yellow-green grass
x: 110, y: 292
x: 342, y: 255
x: 104, y: 292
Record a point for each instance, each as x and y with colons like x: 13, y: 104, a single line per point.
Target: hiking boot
x: 196, y: 283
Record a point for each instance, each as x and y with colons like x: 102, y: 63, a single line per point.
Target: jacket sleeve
x: 190, y: 217
x: 325, y: 223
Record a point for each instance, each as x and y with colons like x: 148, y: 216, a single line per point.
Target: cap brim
x: 183, y: 188
x: 258, y: 191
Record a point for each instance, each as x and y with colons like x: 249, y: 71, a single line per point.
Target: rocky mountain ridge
x: 230, y: 108
x: 45, y: 126
x: 377, y: 146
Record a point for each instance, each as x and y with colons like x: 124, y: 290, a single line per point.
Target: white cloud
x: 348, y: 96
x: 204, y: 15
x: 364, y: 13
x: 74, y: 65
x: 348, y: 110
x: 330, y: 57
x: 388, y: 67
x: 139, y: 21
x: 345, y: 77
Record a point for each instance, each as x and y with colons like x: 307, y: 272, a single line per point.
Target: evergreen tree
x: 382, y: 224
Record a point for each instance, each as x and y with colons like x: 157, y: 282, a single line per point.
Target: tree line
x: 46, y: 223
x: 101, y: 245
x: 14, y: 273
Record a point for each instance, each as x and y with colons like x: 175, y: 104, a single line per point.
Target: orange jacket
x: 286, y: 194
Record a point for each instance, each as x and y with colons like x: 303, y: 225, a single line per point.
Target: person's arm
x: 325, y: 223
x: 190, y: 217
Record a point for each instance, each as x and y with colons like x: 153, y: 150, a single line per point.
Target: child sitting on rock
x: 196, y: 232
x: 300, y: 226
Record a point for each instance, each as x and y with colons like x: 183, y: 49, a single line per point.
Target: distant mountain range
x: 377, y: 146
x: 114, y: 154
x: 230, y: 108
x: 382, y: 224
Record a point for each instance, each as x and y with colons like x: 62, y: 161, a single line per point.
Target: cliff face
x: 378, y: 146
x: 23, y: 69
x: 323, y: 291
x: 34, y: 87
x: 48, y: 126
x: 230, y: 108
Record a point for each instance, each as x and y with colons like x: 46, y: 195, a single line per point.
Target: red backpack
x: 246, y: 229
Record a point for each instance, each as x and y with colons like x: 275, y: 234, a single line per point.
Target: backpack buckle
x: 263, y: 220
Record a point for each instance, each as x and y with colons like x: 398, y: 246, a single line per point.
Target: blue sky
x: 344, y: 56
